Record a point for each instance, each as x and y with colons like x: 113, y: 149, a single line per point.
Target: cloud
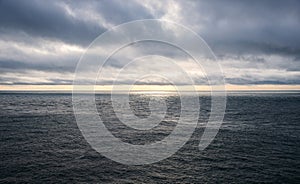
x: 46, y: 20
x: 256, y: 41
x: 73, y: 22
x: 243, y: 27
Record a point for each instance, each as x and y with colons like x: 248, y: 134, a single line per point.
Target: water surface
x: 258, y: 142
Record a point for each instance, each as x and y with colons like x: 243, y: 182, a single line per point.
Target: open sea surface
x: 259, y: 142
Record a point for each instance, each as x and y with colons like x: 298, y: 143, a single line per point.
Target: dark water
x: 259, y: 142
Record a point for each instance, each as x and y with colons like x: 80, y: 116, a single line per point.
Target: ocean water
x: 259, y: 141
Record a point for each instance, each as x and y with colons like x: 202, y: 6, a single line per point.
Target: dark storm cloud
x: 49, y: 19
x: 45, y: 19
x: 250, y: 26
x: 7, y: 66
x: 255, y: 48
x: 248, y: 80
x: 261, y: 35
x: 236, y: 26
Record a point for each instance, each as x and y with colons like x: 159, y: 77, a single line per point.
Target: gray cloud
x: 247, y: 26
x: 256, y: 41
x: 45, y: 19
x: 50, y: 19
x: 7, y: 66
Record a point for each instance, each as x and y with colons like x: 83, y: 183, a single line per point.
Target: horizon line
x: 148, y: 88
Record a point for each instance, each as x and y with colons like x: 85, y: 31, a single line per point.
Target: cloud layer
x: 256, y: 42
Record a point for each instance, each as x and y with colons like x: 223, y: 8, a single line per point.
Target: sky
x: 255, y: 42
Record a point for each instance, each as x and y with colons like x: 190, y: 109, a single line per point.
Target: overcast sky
x: 256, y: 42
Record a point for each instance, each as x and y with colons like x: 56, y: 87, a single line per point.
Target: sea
x: 258, y: 142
